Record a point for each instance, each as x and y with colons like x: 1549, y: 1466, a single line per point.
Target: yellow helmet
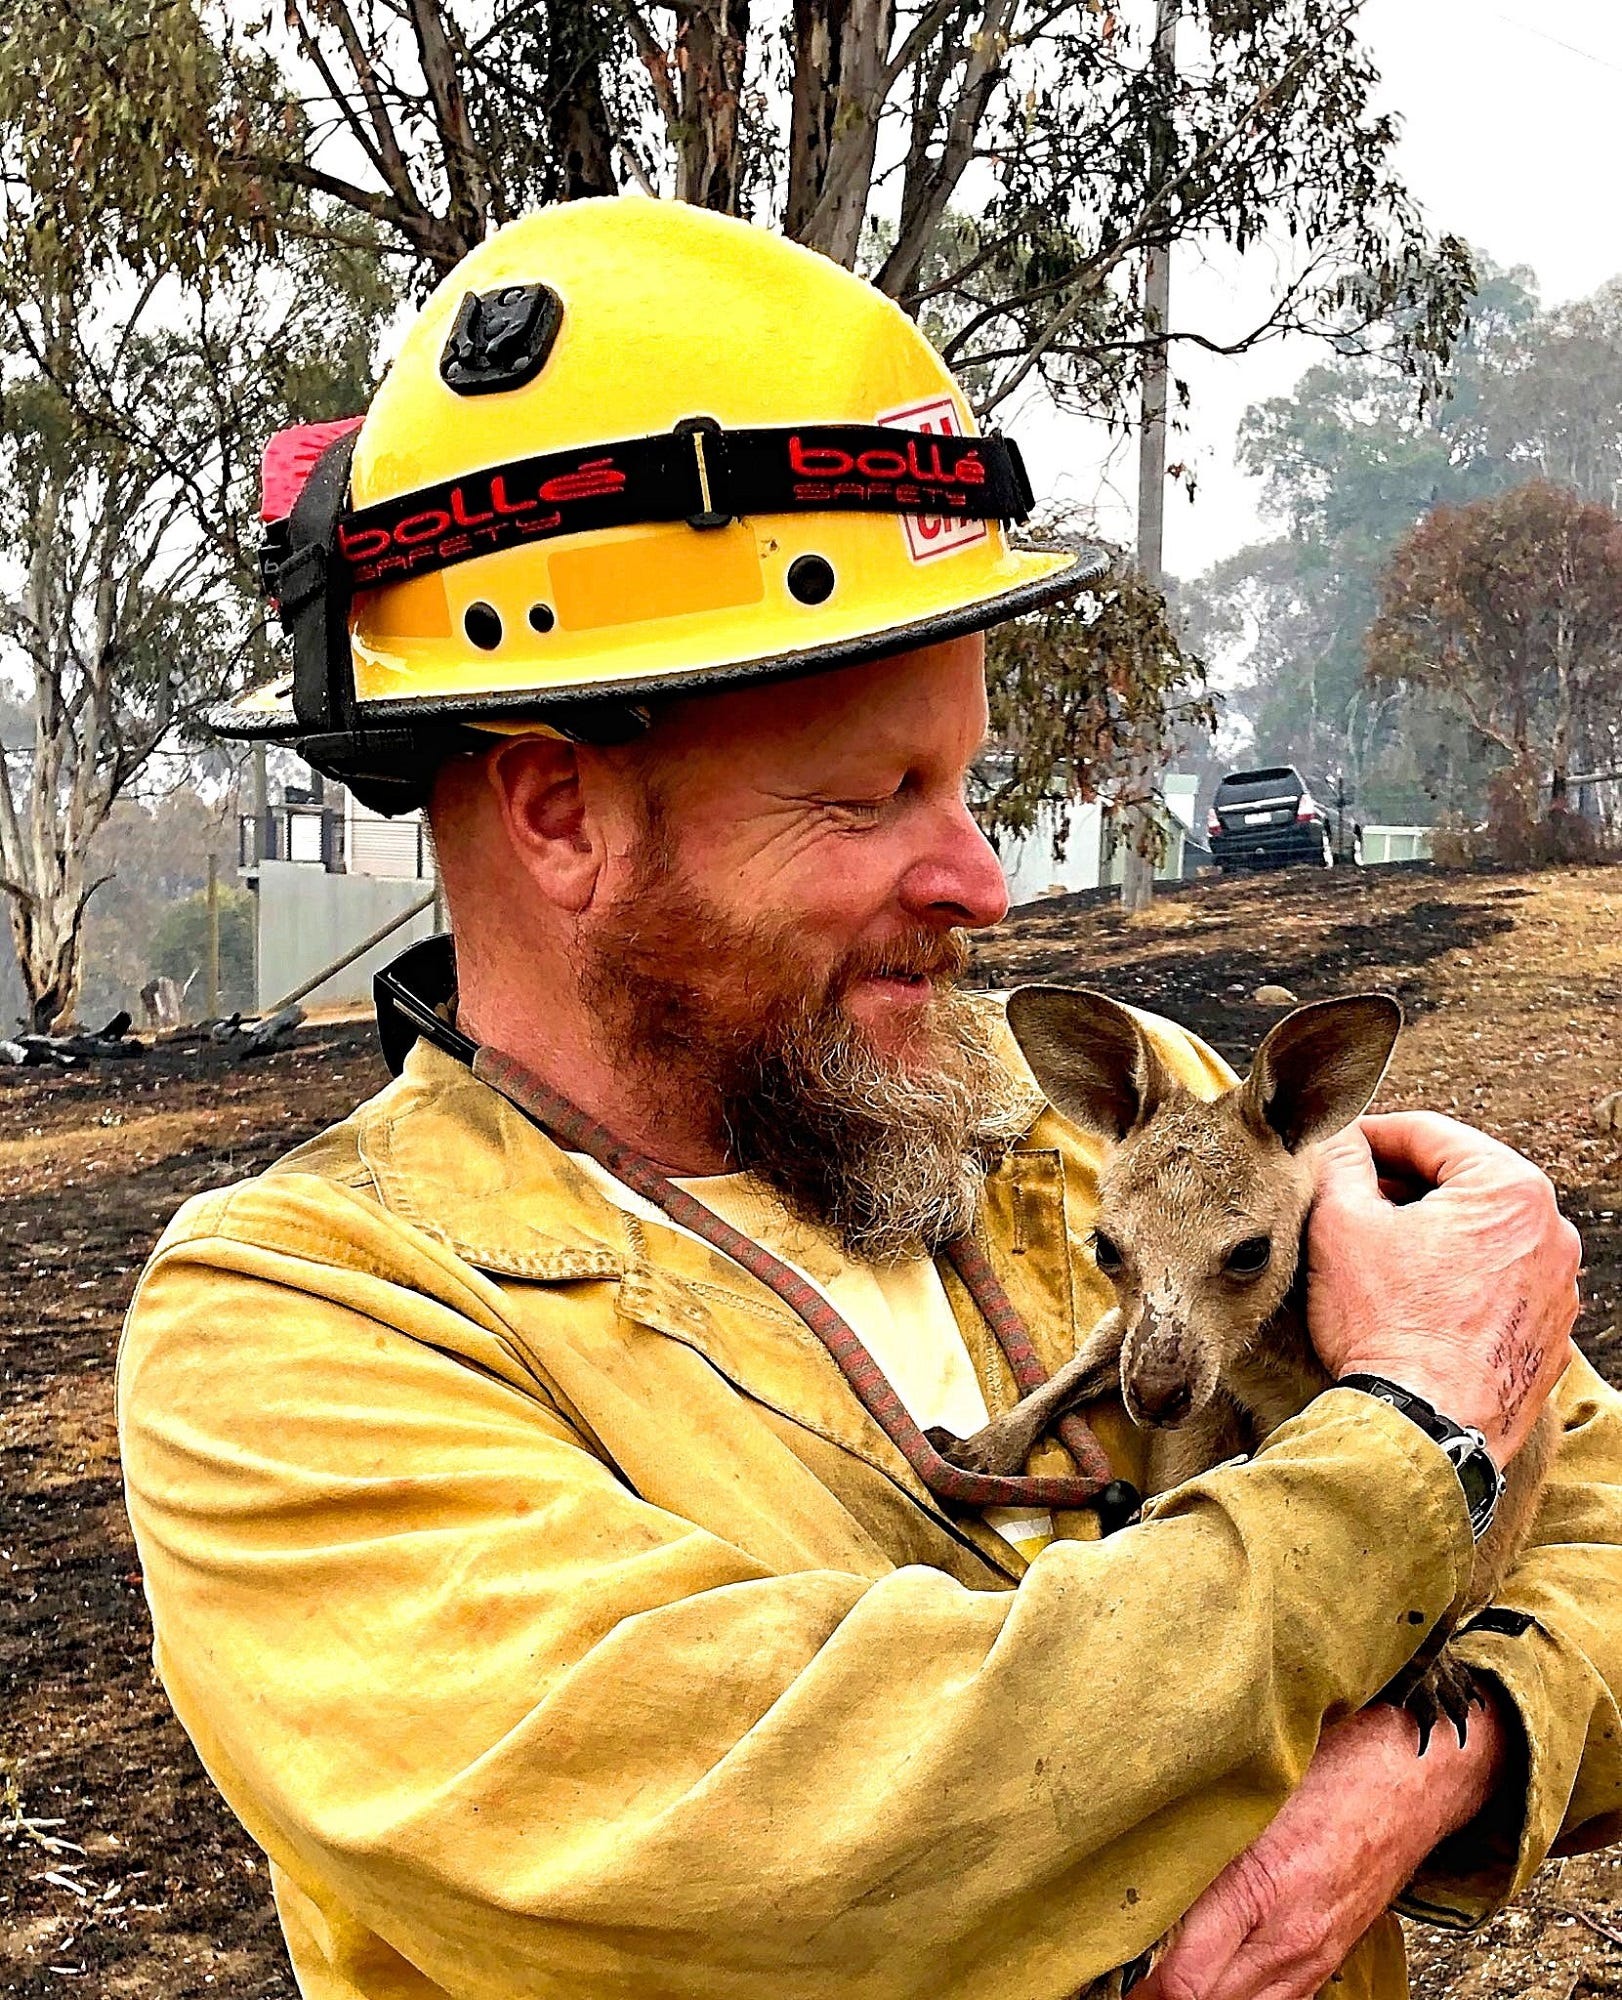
x: 627, y: 447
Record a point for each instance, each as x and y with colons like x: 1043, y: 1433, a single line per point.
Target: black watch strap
x: 1466, y: 1447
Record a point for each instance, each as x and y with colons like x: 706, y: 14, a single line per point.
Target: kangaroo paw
x: 1003, y: 1446
x: 1448, y: 1687
x: 1000, y: 1449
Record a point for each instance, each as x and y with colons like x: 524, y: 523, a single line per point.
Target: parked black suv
x: 1268, y: 819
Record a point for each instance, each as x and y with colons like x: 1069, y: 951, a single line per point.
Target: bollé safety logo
x: 945, y: 484
x: 931, y: 535
x: 475, y: 516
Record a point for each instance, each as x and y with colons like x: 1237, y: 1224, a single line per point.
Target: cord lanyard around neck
x: 571, y: 1128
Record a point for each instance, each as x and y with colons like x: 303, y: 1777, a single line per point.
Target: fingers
x: 1344, y: 1170
x: 1425, y: 1146
x: 1211, y: 1936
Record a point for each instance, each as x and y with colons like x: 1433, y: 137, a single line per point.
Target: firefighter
x: 542, y: 1479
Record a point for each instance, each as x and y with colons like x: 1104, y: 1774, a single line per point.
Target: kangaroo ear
x: 1320, y: 1067
x: 1089, y: 1057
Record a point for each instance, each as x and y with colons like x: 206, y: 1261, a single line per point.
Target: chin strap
x: 571, y: 1128
x: 415, y: 999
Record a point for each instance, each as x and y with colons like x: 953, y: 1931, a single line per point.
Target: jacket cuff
x: 1381, y: 1431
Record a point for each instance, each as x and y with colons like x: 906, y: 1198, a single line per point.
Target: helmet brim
x: 265, y: 714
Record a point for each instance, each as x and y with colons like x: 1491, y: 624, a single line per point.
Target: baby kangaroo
x: 1200, y: 1216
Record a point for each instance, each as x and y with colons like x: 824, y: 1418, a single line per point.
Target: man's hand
x: 1277, y: 1923
x: 1466, y: 1295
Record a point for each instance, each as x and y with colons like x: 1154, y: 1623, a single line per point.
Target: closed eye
x: 1250, y: 1258
x: 864, y: 812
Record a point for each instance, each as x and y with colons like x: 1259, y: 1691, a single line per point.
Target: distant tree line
x: 1439, y: 619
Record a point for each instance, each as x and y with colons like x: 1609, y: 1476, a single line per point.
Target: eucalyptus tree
x: 1510, y: 611
x: 157, y: 322
x: 997, y: 165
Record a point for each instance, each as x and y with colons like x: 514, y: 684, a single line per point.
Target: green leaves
x: 123, y: 125
x: 161, y: 315
x: 1086, y: 700
x: 191, y: 128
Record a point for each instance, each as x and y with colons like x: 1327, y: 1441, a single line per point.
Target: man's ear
x: 1089, y: 1057
x: 1320, y: 1067
x: 536, y: 782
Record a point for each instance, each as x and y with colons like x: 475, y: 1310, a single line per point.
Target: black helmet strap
x: 698, y: 473
x: 315, y: 559
x: 306, y: 577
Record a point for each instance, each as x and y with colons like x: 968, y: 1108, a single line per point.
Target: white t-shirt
x: 899, y: 1312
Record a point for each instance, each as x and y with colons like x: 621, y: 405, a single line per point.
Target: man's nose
x: 957, y: 879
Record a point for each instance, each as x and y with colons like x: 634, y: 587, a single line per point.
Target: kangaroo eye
x: 1250, y: 1258
x: 1106, y: 1253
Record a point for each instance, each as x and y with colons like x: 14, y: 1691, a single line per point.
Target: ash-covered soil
x: 122, y: 1875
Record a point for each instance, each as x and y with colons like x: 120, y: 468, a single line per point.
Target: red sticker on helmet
x: 931, y: 535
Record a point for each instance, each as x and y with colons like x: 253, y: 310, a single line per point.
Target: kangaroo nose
x: 1162, y: 1403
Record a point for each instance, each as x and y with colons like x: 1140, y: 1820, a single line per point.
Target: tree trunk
x: 840, y: 50
x: 935, y: 165
x: 467, y: 182
x: 584, y: 149
x: 1137, y: 866
x: 712, y: 45
x: 1560, y: 744
x: 49, y: 937
x: 1138, y: 875
x: 578, y: 119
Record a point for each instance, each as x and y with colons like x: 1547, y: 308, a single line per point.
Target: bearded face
x: 886, y: 1147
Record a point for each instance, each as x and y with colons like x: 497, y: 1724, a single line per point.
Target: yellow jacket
x: 543, y: 1602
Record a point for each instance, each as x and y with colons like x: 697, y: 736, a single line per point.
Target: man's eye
x: 1250, y: 1258
x: 1106, y: 1253
x: 866, y: 811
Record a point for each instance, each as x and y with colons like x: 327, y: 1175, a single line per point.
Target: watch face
x: 1479, y: 1479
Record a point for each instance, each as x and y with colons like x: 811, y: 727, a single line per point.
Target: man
x: 545, y: 1550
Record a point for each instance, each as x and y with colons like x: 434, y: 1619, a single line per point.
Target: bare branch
x: 469, y: 200
x: 380, y: 143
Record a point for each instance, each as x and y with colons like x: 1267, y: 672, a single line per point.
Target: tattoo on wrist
x: 1516, y: 1361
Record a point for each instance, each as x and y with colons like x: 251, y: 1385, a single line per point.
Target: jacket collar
x: 456, y: 1160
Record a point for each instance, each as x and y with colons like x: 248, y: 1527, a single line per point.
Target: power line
x: 1571, y: 48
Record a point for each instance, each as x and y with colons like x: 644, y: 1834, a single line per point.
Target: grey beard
x: 891, y: 1157
x: 890, y: 1154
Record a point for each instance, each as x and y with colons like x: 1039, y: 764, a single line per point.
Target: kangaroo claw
x: 1421, y: 1705
x: 1448, y: 1688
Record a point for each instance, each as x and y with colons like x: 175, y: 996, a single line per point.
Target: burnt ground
x: 121, y: 1874
x: 160, y: 1892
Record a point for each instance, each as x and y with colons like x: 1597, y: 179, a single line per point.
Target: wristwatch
x: 1466, y: 1447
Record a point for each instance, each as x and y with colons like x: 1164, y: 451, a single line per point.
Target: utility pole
x: 213, y: 937
x: 263, y: 840
x: 1138, y: 867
